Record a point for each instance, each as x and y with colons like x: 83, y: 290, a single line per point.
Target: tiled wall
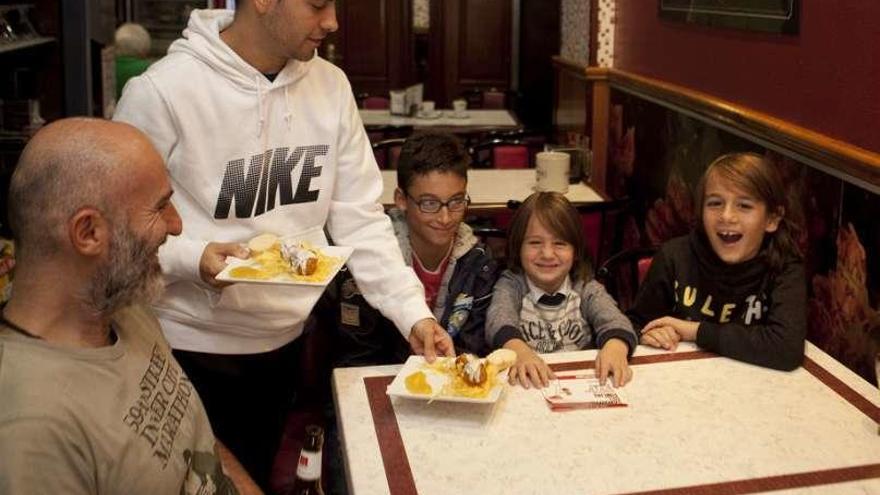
x: 576, y: 32
x: 575, y: 25
x: 605, y: 43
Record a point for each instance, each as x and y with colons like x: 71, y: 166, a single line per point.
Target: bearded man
x: 92, y: 399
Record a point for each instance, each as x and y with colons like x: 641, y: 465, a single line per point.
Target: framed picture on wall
x: 773, y: 16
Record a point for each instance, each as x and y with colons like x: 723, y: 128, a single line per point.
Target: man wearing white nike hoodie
x: 260, y: 135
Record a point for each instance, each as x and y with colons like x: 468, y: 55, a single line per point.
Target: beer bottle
x: 308, y: 469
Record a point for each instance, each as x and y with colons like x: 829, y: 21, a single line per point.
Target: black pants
x: 246, y: 397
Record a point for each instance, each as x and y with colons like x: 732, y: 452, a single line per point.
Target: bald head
x: 69, y: 165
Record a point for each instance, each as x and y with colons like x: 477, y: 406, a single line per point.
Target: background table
x: 695, y: 422
x: 492, y: 188
x: 476, y: 119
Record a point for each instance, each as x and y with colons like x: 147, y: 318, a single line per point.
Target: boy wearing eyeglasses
x: 457, y: 271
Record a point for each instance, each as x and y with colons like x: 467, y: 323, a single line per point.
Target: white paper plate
x: 340, y: 252
x: 437, y: 380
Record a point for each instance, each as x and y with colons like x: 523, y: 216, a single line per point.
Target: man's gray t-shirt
x: 117, y: 419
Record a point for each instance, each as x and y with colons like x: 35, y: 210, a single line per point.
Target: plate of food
x: 281, y: 261
x: 464, y: 378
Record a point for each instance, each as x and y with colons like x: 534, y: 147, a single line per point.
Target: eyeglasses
x: 432, y: 205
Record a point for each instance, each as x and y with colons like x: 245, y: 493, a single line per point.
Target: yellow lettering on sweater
x: 690, y: 296
x: 706, y: 309
x: 726, y: 311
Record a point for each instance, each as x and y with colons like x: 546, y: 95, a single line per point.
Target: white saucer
x: 453, y: 115
x: 436, y: 114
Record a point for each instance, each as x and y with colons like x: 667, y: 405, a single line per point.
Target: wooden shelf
x: 19, y: 45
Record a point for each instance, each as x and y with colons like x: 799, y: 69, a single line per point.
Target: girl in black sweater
x: 736, y: 284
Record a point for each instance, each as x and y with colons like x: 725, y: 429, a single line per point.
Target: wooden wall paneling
x: 376, y: 43
x: 539, y: 38
x: 437, y: 75
x: 476, y: 46
x: 572, y: 99
x: 601, y: 119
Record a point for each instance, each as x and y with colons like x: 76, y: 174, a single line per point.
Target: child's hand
x: 687, y: 330
x: 612, y: 358
x: 529, y: 369
x: 661, y: 337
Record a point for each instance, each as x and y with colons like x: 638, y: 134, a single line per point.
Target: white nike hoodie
x: 248, y: 156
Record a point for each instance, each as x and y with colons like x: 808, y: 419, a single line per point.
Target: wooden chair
x: 375, y: 103
x: 494, y: 99
x: 602, y: 222
x: 491, y: 98
x: 387, y: 152
x: 383, y: 132
x: 495, y: 240
x: 500, y: 153
x: 623, y: 272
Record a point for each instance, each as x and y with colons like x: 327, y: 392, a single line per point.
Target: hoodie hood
x: 201, y: 39
x: 464, y: 241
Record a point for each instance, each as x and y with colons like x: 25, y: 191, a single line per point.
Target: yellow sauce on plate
x: 417, y: 383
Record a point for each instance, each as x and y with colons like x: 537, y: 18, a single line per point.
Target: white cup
x: 459, y: 107
x: 427, y: 107
x: 551, y: 171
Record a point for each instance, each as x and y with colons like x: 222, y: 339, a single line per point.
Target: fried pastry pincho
x: 471, y: 369
x: 466, y: 375
x: 302, y: 258
x: 274, y: 257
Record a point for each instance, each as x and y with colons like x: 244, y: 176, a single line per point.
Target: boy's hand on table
x: 661, y: 337
x: 686, y: 330
x: 612, y: 359
x: 530, y: 369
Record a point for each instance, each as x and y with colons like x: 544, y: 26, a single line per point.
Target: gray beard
x: 130, y: 275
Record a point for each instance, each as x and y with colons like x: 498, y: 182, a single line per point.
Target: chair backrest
x: 623, y: 273
x: 500, y: 153
x: 378, y: 133
x: 376, y: 103
x: 603, y: 223
x: 493, y: 99
x: 387, y: 152
x: 495, y: 240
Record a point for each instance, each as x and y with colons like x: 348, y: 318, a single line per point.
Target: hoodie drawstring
x: 260, y: 117
x: 288, y: 115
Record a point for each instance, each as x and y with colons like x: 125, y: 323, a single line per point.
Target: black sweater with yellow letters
x: 745, y: 311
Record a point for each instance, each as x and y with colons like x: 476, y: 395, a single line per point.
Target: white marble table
x: 488, y: 119
x: 491, y: 188
x: 695, y: 423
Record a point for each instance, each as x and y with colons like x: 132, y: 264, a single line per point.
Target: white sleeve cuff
x: 180, y: 259
x: 406, y: 312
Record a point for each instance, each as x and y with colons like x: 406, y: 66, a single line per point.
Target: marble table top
x: 695, y: 422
